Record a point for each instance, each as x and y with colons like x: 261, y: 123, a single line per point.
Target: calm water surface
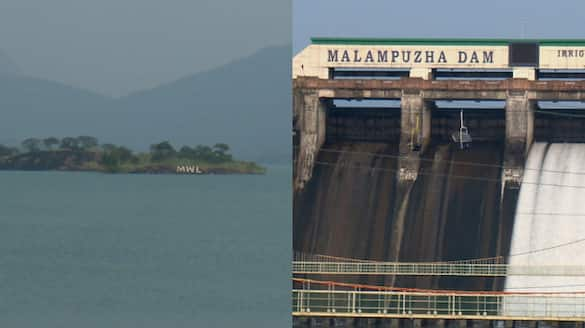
x: 95, y: 250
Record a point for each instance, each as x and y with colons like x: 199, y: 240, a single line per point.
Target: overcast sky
x: 447, y: 18
x: 117, y: 46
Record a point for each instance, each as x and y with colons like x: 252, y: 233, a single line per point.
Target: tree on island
x: 87, y: 142
x: 108, y: 147
x: 185, y: 152
x: 31, y: 145
x: 114, y: 156
x: 125, y: 155
x: 216, y: 154
x: 204, y: 153
x: 6, y: 151
x: 162, y: 151
x: 221, y: 152
x: 221, y: 148
x: 69, y: 143
x: 50, y: 142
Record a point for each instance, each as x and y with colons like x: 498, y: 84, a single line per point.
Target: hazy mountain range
x: 245, y: 103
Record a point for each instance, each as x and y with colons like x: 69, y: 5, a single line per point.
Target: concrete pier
x: 519, y: 135
x: 310, y: 115
x: 415, y: 132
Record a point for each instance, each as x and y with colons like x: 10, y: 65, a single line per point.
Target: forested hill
x: 245, y: 104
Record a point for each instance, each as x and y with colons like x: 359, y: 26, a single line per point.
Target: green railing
x: 494, y: 306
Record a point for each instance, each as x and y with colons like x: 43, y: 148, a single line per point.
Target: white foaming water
x: 549, y: 214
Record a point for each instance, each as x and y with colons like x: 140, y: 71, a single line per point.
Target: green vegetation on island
x: 85, y: 153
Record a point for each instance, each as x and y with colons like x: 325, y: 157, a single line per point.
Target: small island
x: 85, y: 153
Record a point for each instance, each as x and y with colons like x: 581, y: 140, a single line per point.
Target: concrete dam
x: 379, y: 177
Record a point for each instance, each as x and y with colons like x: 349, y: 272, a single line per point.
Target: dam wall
x: 389, y: 184
x: 355, y: 206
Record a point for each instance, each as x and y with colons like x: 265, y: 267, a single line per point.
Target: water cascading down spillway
x: 356, y: 205
x: 353, y: 207
x: 549, y: 223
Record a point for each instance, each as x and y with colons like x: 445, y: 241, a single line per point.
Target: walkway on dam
x: 426, y: 305
x: 491, y: 267
x: 342, y: 300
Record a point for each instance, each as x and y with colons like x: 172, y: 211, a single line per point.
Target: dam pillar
x: 309, y: 117
x: 415, y: 132
x: 519, y: 135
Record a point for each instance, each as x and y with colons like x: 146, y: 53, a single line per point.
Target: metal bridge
x: 492, y: 267
x: 434, y: 269
x: 329, y: 299
x: 438, y: 305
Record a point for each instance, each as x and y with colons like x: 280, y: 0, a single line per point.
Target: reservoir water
x: 98, y: 250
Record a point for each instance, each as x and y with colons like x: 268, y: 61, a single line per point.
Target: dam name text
x: 410, y: 56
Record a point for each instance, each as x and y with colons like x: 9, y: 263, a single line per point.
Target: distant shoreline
x: 66, y: 161
x: 84, y: 154
x: 139, y: 172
